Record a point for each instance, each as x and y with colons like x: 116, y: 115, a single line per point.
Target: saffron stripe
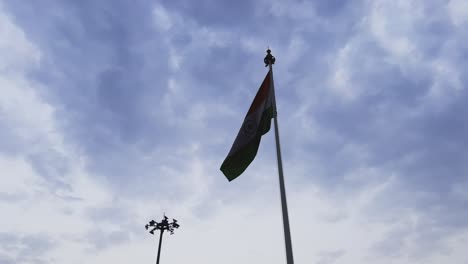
x: 261, y: 96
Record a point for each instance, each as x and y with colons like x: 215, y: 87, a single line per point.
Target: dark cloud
x: 120, y: 102
x: 331, y: 8
x: 218, y: 13
x: 104, y: 69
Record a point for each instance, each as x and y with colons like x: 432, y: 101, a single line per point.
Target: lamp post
x: 162, y: 226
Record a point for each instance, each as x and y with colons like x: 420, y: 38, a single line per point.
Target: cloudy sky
x: 114, y: 112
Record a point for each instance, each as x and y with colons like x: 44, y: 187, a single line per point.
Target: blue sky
x: 114, y: 112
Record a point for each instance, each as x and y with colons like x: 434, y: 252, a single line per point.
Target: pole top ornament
x: 269, y: 59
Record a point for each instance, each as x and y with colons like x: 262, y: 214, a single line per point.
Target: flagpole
x: 269, y: 61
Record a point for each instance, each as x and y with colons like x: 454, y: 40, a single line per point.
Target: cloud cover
x: 114, y: 112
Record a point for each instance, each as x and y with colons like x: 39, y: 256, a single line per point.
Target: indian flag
x: 256, y: 123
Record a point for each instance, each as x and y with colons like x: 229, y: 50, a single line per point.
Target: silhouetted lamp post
x: 164, y: 225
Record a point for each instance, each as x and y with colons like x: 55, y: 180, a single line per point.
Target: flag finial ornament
x: 269, y: 59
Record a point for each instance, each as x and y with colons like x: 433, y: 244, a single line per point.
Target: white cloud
x: 341, y: 82
x: 163, y: 20
x: 36, y: 208
x: 17, y: 52
x: 403, y: 30
x: 396, y: 35
x: 458, y: 12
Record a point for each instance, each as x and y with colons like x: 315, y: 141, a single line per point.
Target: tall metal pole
x: 163, y: 225
x: 270, y: 60
x: 159, y: 247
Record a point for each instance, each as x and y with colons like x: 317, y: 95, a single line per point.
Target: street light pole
x: 162, y: 226
x: 159, y: 247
